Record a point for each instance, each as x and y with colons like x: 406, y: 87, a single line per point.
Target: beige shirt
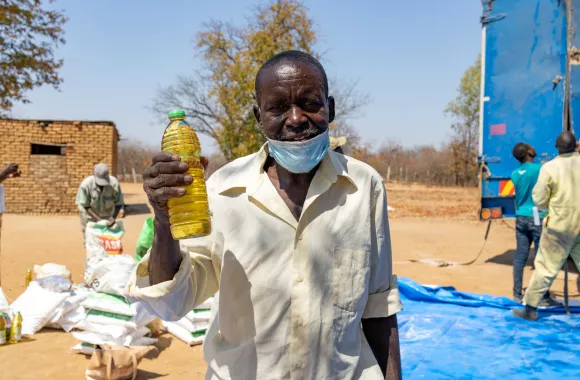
x: 291, y: 293
x: 102, y: 200
x: 557, y: 190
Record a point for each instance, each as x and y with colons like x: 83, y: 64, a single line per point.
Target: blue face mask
x: 300, y: 156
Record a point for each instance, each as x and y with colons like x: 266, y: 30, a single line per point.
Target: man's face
x: 293, y: 105
x: 531, y: 152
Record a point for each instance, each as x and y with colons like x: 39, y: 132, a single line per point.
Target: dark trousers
x: 526, y: 233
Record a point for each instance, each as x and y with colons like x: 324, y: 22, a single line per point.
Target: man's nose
x: 296, y: 117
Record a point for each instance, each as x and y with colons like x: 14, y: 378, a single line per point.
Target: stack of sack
x: 193, y: 327
x: 45, y: 299
x: 108, y: 317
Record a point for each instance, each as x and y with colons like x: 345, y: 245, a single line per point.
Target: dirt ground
x: 427, y: 223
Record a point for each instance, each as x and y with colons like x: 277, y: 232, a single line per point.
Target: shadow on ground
x: 146, y: 375
x: 137, y: 209
x: 507, y: 258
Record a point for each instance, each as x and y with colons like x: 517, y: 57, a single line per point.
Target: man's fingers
x: 172, y: 167
x: 166, y: 193
x: 169, y: 180
x: 164, y: 157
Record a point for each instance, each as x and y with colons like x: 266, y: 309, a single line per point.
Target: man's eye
x: 278, y: 108
x: 311, y: 105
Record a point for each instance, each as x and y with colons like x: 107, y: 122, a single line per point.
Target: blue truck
x: 530, y: 88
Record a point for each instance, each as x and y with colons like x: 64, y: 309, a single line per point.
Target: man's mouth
x: 300, y: 137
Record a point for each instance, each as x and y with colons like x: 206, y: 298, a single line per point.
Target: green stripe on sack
x: 87, y: 345
x: 110, y: 315
x: 109, y: 297
x: 198, y: 334
x: 197, y: 311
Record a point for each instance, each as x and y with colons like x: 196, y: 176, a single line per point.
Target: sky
x: 407, y: 55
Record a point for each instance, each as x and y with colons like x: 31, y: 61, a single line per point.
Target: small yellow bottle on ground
x: 16, y: 329
x: 189, y: 215
x: 28, y: 277
x: 2, y: 330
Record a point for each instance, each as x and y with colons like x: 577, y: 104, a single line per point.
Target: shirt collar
x: 250, y: 174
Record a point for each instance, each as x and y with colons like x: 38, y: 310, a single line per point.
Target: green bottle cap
x: 176, y: 114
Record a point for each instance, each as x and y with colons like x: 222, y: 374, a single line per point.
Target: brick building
x: 54, y: 157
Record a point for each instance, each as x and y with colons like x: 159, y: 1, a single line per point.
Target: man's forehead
x: 290, y: 71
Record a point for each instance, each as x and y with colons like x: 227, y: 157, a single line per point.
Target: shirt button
x: 300, y: 237
x: 299, y: 278
x: 300, y: 322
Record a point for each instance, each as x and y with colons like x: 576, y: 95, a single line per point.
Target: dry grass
x: 415, y: 200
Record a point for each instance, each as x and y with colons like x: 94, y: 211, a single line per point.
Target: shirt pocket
x: 350, y: 276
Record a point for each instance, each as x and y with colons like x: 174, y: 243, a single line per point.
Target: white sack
x: 83, y: 348
x: 109, y: 303
x: 72, y: 302
x: 184, y: 335
x: 197, y: 316
x: 192, y: 327
x: 50, y: 269
x: 110, y: 274
x: 136, y: 338
x: 37, y: 306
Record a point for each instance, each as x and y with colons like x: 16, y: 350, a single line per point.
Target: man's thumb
x: 204, y: 162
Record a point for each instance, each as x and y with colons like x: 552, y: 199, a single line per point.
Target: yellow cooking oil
x: 28, y: 278
x: 2, y: 330
x: 16, y: 329
x: 189, y: 215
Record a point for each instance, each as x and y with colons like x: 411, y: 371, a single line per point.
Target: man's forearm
x: 165, y: 257
x: 117, y: 211
x: 93, y: 215
x: 383, y: 337
x: 3, y: 175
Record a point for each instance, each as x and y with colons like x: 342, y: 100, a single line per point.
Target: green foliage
x: 219, y: 99
x: 29, y: 34
x: 465, y: 112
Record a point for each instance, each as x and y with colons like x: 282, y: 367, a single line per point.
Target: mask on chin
x: 299, y: 156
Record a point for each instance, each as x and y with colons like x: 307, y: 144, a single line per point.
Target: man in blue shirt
x: 528, y: 230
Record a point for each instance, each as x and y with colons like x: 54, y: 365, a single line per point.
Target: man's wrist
x: 161, y: 219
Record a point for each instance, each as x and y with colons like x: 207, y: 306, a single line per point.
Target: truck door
x: 524, y: 65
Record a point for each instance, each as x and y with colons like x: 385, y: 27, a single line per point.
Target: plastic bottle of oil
x: 28, y: 279
x: 16, y: 329
x: 189, y: 215
x: 2, y: 330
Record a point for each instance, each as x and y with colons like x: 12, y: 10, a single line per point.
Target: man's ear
x: 331, y: 112
x: 257, y: 114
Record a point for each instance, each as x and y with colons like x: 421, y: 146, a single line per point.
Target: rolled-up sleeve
x: 196, y: 280
x: 384, y: 299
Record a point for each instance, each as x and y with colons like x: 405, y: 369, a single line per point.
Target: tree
x: 218, y: 99
x: 465, y: 112
x: 29, y: 34
x: 133, y: 154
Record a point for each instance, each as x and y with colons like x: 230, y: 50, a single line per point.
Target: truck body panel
x: 524, y: 90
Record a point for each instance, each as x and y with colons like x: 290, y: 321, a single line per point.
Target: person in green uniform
x: 99, y: 197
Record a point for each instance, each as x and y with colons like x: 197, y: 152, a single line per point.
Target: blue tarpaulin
x: 447, y: 334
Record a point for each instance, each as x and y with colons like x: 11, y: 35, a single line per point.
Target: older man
x: 300, y: 249
x: 99, y: 197
x: 557, y: 191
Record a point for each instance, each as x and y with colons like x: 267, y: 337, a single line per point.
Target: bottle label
x: 2, y: 336
x: 16, y: 334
